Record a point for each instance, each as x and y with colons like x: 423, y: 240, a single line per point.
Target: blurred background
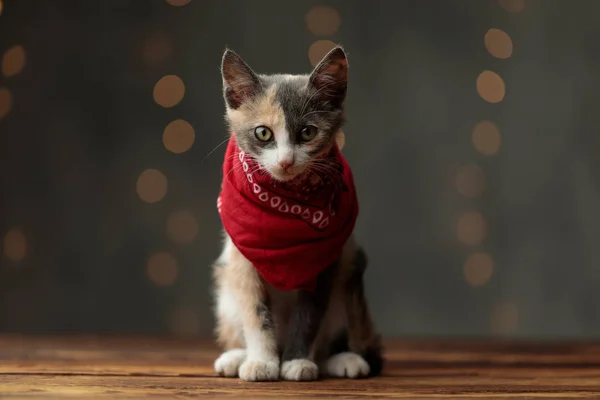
x: 472, y: 134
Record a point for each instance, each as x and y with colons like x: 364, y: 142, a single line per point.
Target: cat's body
x: 287, y: 125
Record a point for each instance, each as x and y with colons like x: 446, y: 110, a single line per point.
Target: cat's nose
x: 285, y: 164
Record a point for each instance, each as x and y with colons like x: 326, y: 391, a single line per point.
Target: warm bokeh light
x: 471, y: 228
x: 6, y: 102
x: 162, y: 269
x: 15, y: 244
x: 323, y: 20
x: 478, y: 269
x: 13, y: 61
x: 340, y: 139
x: 169, y: 91
x: 318, y: 50
x: 184, y: 322
x: 490, y: 87
x: 470, y: 181
x: 512, y: 5
x: 157, y: 49
x: 182, y: 227
x: 151, y: 186
x: 505, y: 317
x: 498, y: 43
x: 1, y: 7
x: 486, y: 138
x: 178, y: 3
x: 178, y: 136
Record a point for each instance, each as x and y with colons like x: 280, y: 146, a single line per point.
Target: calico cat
x: 290, y: 301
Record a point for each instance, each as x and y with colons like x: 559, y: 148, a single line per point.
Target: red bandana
x: 292, y: 231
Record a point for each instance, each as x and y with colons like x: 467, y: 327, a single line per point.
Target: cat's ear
x: 330, y: 77
x: 239, y: 81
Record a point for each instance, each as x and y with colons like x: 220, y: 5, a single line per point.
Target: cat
x: 284, y: 184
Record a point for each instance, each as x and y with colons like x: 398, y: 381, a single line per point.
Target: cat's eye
x: 263, y: 133
x: 308, y: 133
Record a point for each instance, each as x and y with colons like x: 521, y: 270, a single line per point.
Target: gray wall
x: 84, y: 125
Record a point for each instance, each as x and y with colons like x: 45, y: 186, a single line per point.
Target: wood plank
x: 131, y: 368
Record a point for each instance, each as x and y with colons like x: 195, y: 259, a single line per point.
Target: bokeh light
x: 178, y: 3
x: 478, y: 269
x: 498, y: 43
x: 505, y: 317
x: 182, y: 227
x: 340, y: 139
x: 471, y: 228
x: 318, y: 50
x: 13, y: 61
x: 1, y: 7
x: 157, y: 49
x: 169, y: 91
x: 6, y: 102
x: 15, y: 244
x: 178, y: 136
x: 514, y: 6
x: 486, y: 138
x: 490, y: 87
x: 323, y: 20
x: 162, y: 269
x: 184, y: 322
x: 151, y: 186
x: 470, y: 181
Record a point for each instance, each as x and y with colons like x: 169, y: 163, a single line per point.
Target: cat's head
x: 285, y: 122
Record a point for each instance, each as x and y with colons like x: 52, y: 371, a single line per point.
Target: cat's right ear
x: 239, y: 81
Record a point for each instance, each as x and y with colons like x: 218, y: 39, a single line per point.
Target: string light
x: 151, y: 186
x: 15, y: 244
x: 471, y: 228
x: 178, y: 136
x: 157, y: 49
x: 498, y: 43
x: 13, y: 61
x: 6, y: 102
x: 490, y: 87
x: 182, y: 227
x: 323, y: 20
x: 505, y: 317
x: 514, y: 6
x: 184, y: 322
x: 478, y: 269
x: 162, y: 269
x: 169, y: 91
x: 486, y: 138
x: 470, y: 181
x: 178, y: 3
x: 340, y: 139
x: 318, y: 50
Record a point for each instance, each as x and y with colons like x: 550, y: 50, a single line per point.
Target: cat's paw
x: 347, y: 365
x: 229, y: 362
x: 259, y: 370
x: 299, y: 370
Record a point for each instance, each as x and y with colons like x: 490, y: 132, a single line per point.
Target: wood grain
x: 132, y: 368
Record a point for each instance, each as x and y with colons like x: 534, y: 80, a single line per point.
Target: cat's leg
x: 247, y: 320
x: 228, y: 330
x: 364, y: 343
x: 304, y: 324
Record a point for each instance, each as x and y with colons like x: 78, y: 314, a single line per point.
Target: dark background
x: 469, y: 237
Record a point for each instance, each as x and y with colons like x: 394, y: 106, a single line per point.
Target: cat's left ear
x: 330, y: 77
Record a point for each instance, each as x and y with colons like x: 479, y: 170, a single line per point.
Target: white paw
x: 229, y: 362
x: 259, y: 370
x: 347, y: 365
x: 299, y: 370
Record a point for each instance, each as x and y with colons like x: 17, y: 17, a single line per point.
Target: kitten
x: 290, y: 301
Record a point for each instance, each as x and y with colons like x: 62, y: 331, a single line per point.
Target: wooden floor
x: 99, y: 368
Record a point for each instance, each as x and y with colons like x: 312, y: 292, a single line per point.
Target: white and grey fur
x: 294, y: 335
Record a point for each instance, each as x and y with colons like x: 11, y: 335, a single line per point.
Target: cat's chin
x: 284, y: 177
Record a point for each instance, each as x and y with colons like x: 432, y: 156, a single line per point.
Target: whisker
x: 213, y: 150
